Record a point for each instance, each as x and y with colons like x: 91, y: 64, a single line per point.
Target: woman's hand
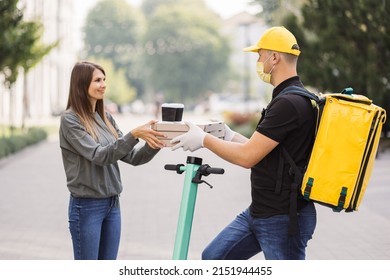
x: 146, y: 133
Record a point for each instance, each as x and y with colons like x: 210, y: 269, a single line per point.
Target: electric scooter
x: 194, y: 170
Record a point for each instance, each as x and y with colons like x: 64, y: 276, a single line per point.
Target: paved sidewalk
x: 34, y: 201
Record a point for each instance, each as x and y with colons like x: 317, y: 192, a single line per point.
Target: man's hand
x: 229, y: 133
x: 191, y: 140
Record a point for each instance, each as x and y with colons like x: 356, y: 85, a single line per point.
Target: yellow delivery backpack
x: 344, y: 150
x: 341, y: 162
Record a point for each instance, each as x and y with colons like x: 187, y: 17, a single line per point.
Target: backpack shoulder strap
x: 284, y: 154
x: 299, y: 91
x: 295, y: 171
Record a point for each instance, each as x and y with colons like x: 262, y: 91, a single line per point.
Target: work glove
x: 191, y: 140
x: 229, y: 133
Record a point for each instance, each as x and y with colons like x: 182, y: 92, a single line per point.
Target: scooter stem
x: 187, y: 207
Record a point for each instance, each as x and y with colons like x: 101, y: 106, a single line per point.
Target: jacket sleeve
x: 79, y: 141
x: 140, y: 154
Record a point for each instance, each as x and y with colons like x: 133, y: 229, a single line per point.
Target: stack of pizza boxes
x: 174, y: 129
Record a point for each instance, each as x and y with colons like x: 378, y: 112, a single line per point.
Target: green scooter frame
x: 194, y: 171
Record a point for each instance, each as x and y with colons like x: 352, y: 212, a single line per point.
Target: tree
x: 118, y: 90
x: 114, y: 31
x: 274, y: 11
x: 350, y: 46
x: 344, y: 43
x: 20, y: 42
x: 150, y: 6
x: 185, y: 52
x: 20, y: 45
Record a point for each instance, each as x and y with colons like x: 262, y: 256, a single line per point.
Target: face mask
x: 266, y: 77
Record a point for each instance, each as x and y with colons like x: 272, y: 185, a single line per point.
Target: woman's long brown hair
x: 78, y: 101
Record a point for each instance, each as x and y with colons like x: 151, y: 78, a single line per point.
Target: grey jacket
x: 92, y: 167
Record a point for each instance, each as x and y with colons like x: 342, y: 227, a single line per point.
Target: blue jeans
x: 95, y: 227
x: 246, y: 236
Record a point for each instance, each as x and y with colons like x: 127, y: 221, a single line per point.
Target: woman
x: 91, y: 145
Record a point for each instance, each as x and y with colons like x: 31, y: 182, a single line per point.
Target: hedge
x: 15, y: 143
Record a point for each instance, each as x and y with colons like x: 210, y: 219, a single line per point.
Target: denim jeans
x: 95, y: 226
x: 246, y: 236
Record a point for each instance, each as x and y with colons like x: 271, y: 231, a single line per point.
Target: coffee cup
x: 172, y: 112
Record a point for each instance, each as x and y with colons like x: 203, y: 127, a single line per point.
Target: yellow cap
x: 276, y: 39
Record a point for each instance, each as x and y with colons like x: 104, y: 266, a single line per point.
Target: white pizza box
x: 173, y: 134
x: 213, y: 126
x: 181, y: 126
x: 170, y: 126
x: 174, y: 129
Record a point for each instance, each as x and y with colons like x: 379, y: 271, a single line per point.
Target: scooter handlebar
x: 174, y: 167
x: 215, y: 170
x: 170, y: 167
x: 205, y: 169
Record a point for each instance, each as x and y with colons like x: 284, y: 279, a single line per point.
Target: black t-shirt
x: 289, y: 120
